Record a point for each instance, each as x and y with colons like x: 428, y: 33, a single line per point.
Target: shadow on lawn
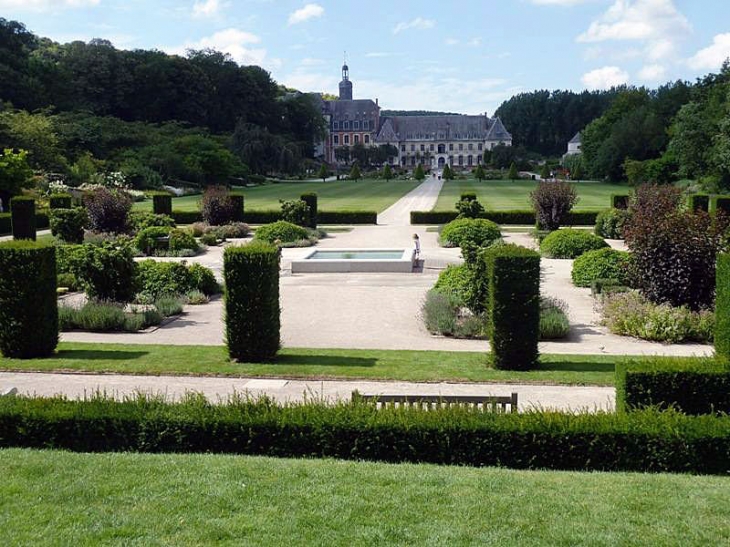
x: 325, y: 360
x: 100, y: 355
x: 578, y: 366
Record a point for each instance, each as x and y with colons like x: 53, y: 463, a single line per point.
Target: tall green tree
x: 355, y: 172
x: 387, y: 172
x: 479, y: 173
x: 15, y: 174
x: 448, y: 173
x: 513, y: 174
x: 323, y: 172
x: 418, y: 173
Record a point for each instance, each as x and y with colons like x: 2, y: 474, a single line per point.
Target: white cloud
x: 605, y: 78
x: 653, y: 73
x: 712, y: 57
x: 451, y: 41
x: 559, y: 2
x: 233, y: 41
x: 418, y: 23
x: 46, y: 5
x: 207, y: 8
x: 475, y: 42
x: 310, y: 11
x: 637, y: 20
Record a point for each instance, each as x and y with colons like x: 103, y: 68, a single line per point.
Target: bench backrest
x: 487, y: 403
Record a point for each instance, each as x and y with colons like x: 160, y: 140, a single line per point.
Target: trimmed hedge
x: 68, y: 224
x: 722, y: 305
x: 475, y: 231
x: 28, y: 300
x: 6, y: 223
x: 699, y: 202
x: 517, y: 217
x: 22, y: 212
x: 252, y: 313
x: 514, y: 306
x: 603, y: 263
x: 569, y: 243
x: 643, y: 441
x: 347, y: 217
x: 237, y: 202
x: 162, y: 203
x: 619, y: 201
x: 60, y: 201
x: 267, y: 217
x: 692, y: 385
x: 720, y: 203
x: 107, y: 271
x: 310, y: 198
x: 262, y: 217
x: 186, y: 217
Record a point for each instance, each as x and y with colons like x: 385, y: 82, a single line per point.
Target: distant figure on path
x: 417, y: 243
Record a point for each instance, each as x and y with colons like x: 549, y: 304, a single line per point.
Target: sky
x: 466, y: 56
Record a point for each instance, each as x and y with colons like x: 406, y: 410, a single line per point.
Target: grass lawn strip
x: 298, y: 363
x: 168, y: 499
x: 505, y: 195
x: 343, y: 195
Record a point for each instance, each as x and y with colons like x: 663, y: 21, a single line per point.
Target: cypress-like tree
x: 355, y: 172
x: 448, y: 174
x: 418, y: 174
x: 323, y: 172
x: 387, y: 172
x: 479, y: 173
x: 513, y: 174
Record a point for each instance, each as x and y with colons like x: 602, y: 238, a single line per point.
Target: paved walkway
x: 421, y: 198
x: 79, y: 385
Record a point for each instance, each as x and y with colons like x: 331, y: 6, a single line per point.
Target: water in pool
x: 356, y: 255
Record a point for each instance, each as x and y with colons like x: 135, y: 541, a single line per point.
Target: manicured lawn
x: 424, y: 366
x: 501, y: 195
x: 61, y: 498
x: 362, y: 195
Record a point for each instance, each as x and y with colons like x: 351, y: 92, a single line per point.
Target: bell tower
x: 345, y: 84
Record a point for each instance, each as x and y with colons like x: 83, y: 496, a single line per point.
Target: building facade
x: 431, y: 141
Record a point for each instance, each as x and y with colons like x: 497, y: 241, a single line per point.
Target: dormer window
x: 335, y: 125
x: 356, y: 125
x: 345, y: 125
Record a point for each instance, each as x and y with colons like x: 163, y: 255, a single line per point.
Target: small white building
x: 574, y: 145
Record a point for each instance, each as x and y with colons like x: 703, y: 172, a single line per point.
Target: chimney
x: 376, y: 101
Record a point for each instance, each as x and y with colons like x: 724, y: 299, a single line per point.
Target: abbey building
x: 434, y: 141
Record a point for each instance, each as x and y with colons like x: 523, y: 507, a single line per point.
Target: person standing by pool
x: 417, y: 244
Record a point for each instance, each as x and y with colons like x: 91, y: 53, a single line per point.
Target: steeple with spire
x: 345, y: 84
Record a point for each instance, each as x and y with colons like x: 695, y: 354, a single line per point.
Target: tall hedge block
x: 60, y: 201
x: 162, y: 204
x: 514, y: 307
x: 699, y: 202
x: 720, y: 203
x: 310, y: 199
x: 620, y: 201
x: 28, y: 305
x: 237, y: 202
x: 252, y: 313
x: 722, y: 306
x: 22, y: 212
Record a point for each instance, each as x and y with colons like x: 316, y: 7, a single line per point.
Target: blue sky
x: 464, y: 56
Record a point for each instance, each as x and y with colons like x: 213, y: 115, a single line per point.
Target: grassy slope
x: 364, y: 195
x: 144, y: 499
x: 426, y: 366
x: 499, y: 195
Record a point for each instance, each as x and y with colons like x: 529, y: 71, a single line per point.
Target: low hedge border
x: 638, y: 441
x: 6, y: 224
x: 267, y: 217
x: 519, y: 217
x: 720, y: 203
x: 692, y: 385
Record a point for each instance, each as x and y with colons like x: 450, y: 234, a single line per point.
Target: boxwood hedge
x: 22, y: 211
x: 267, y: 217
x: 60, y: 201
x: 644, y: 441
x: 518, y: 217
x: 603, y: 263
x: 722, y: 305
x: 28, y: 305
x: 569, y: 243
x: 162, y: 203
x: 310, y: 198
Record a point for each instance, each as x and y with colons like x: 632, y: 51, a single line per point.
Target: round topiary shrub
x: 610, y: 223
x: 285, y: 232
x: 455, y: 280
x: 477, y: 231
x: 182, y: 239
x: 151, y: 239
x: 604, y: 263
x: 28, y: 305
x: 69, y: 224
x: 106, y: 271
x: 203, y: 279
x: 569, y: 243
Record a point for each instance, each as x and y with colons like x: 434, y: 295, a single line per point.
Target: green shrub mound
x: 139, y: 220
x: 162, y: 203
x: 455, y: 280
x: 514, y: 306
x: 106, y: 271
x: 517, y: 217
x: 22, y: 212
x: 152, y: 239
x: 182, y: 240
x: 106, y: 317
x: 603, y: 263
x: 252, y: 313
x: 156, y: 279
x: 722, y: 306
x: 203, y: 280
x: 68, y: 224
x: 477, y: 231
x: 610, y: 223
x: 689, y: 385
x: 60, y: 201
x: 284, y: 232
x: 569, y: 243
x: 234, y: 230
x: 310, y: 198
x: 554, y: 322
x: 642, y: 441
x: 28, y: 305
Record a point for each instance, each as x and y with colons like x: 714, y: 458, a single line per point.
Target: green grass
x: 423, y: 366
x: 502, y: 195
x: 362, y: 195
x: 60, y: 498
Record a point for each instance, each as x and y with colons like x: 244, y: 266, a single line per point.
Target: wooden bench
x: 486, y: 403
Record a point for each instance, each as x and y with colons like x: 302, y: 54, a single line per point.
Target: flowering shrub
x: 108, y: 210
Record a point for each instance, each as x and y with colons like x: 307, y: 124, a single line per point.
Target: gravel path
x: 421, y: 198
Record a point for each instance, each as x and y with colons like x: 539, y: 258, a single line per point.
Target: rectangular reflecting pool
x: 355, y: 260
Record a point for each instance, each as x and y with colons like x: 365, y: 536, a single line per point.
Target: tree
x: 418, y: 174
x: 15, y: 174
x: 552, y: 202
x: 544, y: 171
x: 503, y: 156
x: 448, y: 174
x: 479, y: 173
x: 359, y: 153
x: 355, y: 172
x: 342, y: 154
x: 387, y: 172
x: 323, y: 172
x: 513, y: 174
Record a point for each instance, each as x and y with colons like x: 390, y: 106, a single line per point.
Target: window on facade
x: 451, y: 160
x: 471, y: 146
x: 366, y: 124
x: 336, y: 139
x: 423, y: 148
x: 357, y: 139
x: 335, y: 125
x: 461, y: 147
x: 480, y: 146
x: 413, y: 148
x: 367, y: 139
x: 461, y: 160
x: 431, y: 147
x: 470, y: 160
x: 451, y: 147
x: 345, y: 125
x: 402, y: 147
x: 347, y: 139
x: 442, y: 148
x: 356, y: 125
x: 413, y: 160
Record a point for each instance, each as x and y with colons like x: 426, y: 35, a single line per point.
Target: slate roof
x: 576, y: 139
x: 498, y: 132
x: 447, y: 128
x: 353, y: 110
